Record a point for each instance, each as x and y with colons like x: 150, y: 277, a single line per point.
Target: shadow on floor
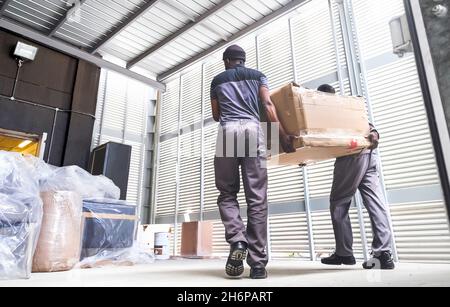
x: 279, y: 272
x: 274, y: 272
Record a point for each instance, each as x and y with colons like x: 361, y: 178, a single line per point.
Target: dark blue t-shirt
x: 237, y: 91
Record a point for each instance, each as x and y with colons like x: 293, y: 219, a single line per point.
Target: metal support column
x: 202, y: 146
x: 336, y: 49
x: 312, y: 248
x: 144, y: 148
x: 347, y: 45
x: 156, y: 159
x: 124, y: 131
x: 312, y: 251
x: 177, y: 175
x: 100, y: 130
x: 258, y: 66
x: 355, y: 87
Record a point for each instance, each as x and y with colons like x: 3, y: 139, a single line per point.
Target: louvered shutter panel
x: 170, y: 107
x: 137, y: 104
x: 168, y: 149
x: 249, y: 45
x: 121, y: 117
x: 373, y: 19
x: 422, y: 232
x: 285, y: 184
x: 211, y: 69
x: 214, y: 67
x: 191, y: 97
x: 324, y: 236
x: 210, y: 190
x: 190, y: 171
x: 313, y: 42
x: 220, y: 246
x: 115, y: 106
x: 99, y: 109
x: 166, y: 182
x: 136, y: 172
x: 406, y: 148
x: 190, y: 142
x: 276, y: 55
x: 289, y: 236
x: 320, y: 179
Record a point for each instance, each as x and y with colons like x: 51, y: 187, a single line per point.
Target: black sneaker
x: 381, y: 262
x: 339, y: 260
x: 235, y: 263
x: 258, y: 273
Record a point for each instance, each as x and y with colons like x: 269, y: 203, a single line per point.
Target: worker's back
x: 237, y: 91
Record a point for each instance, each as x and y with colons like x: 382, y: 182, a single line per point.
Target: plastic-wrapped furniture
x: 109, y: 235
x: 109, y: 226
x: 76, y: 179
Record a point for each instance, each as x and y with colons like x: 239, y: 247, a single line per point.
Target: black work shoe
x: 235, y: 263
x: 339, y: 260
x: 381, y: 262
x: 258, y: 273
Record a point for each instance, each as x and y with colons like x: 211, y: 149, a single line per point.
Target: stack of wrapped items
x: 50, y: 215
x: 20, y: 215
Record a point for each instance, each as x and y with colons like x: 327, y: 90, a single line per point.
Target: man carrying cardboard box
x: 235, y: 97
x: 350, y: 174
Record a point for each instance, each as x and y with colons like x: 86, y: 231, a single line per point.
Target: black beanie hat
x: 234, y: 52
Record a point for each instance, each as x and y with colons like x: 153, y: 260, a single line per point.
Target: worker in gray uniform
x: 236, y: 96
x: 352, y: 173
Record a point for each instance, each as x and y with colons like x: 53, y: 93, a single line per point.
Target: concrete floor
x: 210, y: 273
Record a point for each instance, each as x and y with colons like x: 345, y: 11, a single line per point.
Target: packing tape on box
x: 353, y: 143
x: 110, y: 216
x: 338, y: 133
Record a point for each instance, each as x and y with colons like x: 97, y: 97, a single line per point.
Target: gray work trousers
x: 254, y: 179
x: 350, y: 174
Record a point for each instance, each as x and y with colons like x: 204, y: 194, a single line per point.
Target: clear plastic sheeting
x: 133, y: 255
x: 109, y: 234
x: 20, y: 215
x: 35, y: 194
x: 76, y: 179
x: 59, y: 245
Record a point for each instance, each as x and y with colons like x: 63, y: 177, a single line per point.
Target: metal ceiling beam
x: 291, y: 6
x: 125, y: 23
x: 43, y: 39
x: 179, y: 32
x: 62, y: 21
x: 4, y: 6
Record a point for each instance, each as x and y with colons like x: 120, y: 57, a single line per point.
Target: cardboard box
x: 303, y: 111
x: 326, y: 126
x: 196, y: 239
